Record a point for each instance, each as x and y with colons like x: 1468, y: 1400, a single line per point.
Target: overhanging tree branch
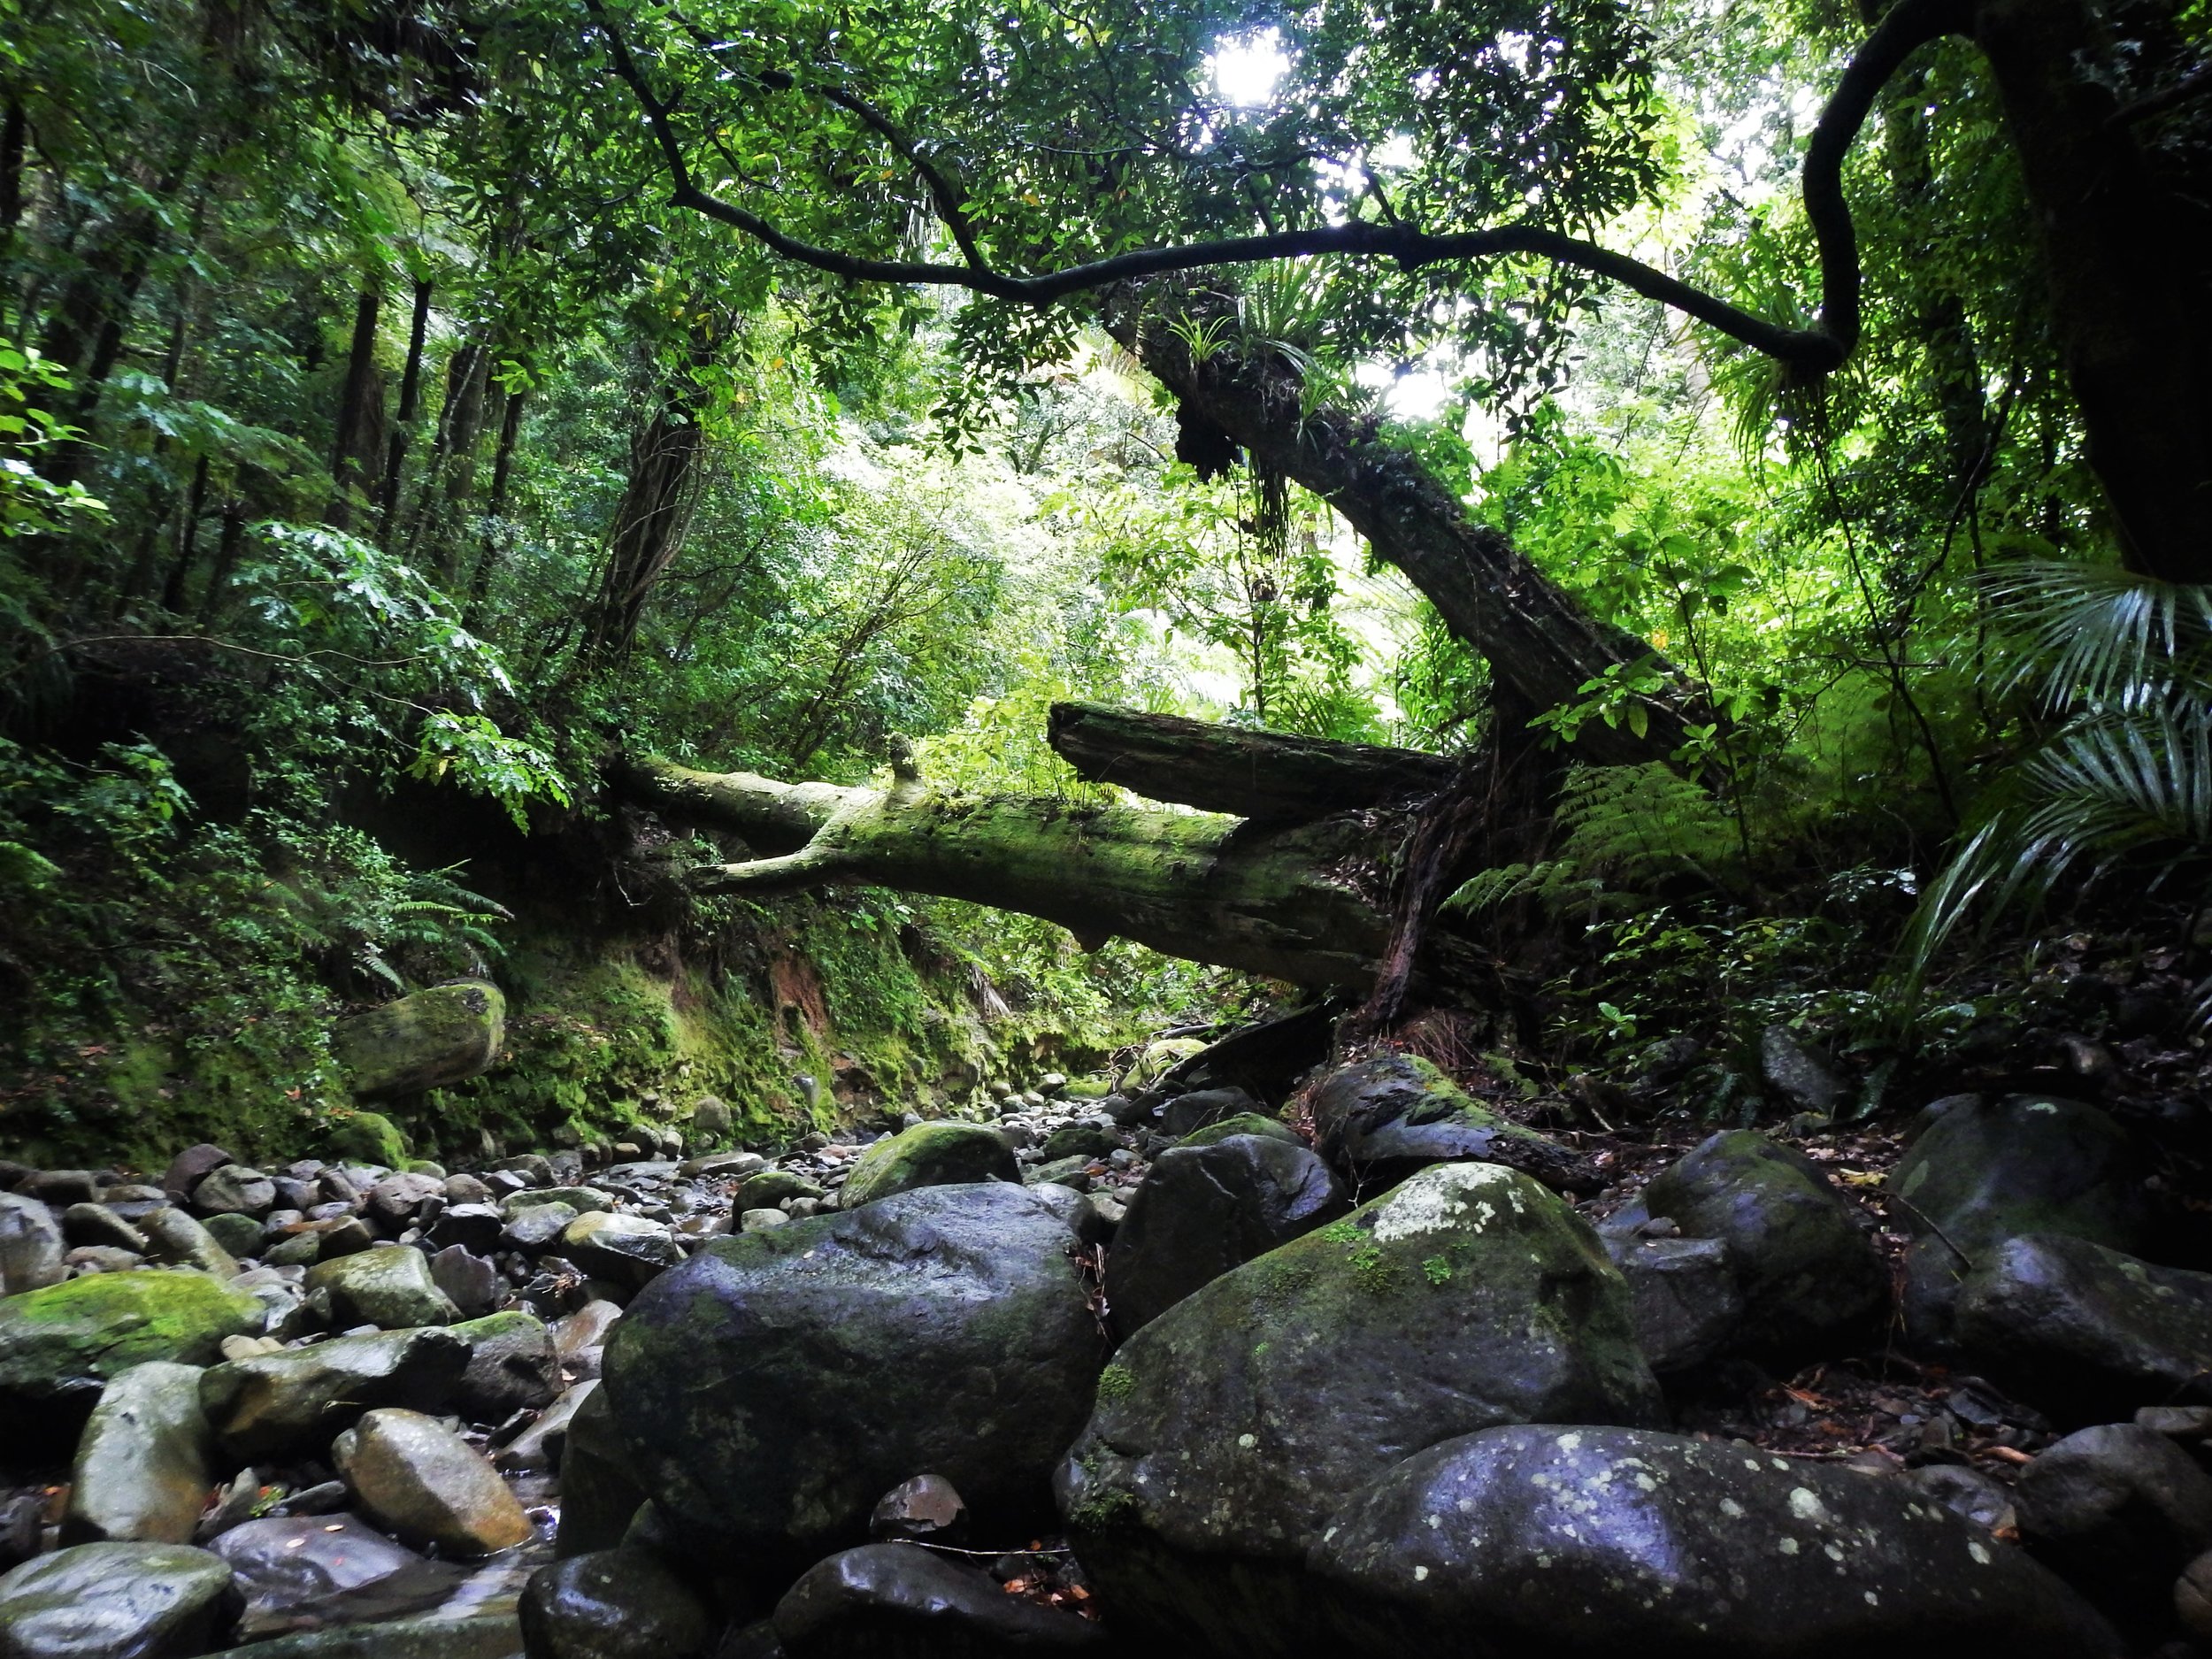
x: 1813, y: 352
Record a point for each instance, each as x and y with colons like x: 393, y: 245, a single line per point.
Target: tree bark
x: 409, y: 411
x: 1541, y: 645
x: 1261, y: 775
x: 358, y: 433
x: 2127, y: 278
x: 1295, y: 902
x: 649, y: 523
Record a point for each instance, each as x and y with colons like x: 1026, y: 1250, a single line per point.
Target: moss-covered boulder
x: 69, y: 1338
x: 296, y: 1399
x: 389, y: 1286
x: 1806, y: 1267
x: 1383, y: 1118
x: 773, y: 1388
x: 1983, y: 1172
x: 512, y: 1364
x: 445, y: 1035
x: 366, y: 1137
x: 928, y: 1155
x: 1595, y: 1543
x: 2089, y: 1333
x: 1243, y: 1123
x: 1229, y: 1428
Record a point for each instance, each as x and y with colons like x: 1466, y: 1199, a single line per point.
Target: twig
x: 1929, y: 1222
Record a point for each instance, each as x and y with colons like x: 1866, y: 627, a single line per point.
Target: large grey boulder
x: 513, y: 1363
x: 1228, y: 1429
x: 2089, y: 1333
x: 1383, y: 1118
x: 175, y: 1237
x: 31, y: 1246
x: 1983, y: 1172
x: 296, y: 1399
x: 624, y: 1251
x: 1808, y: 1273
x: 117, y: 1602
x: 419, y: 1480
x: 1683, y: 1297
x: 775, y: 1385
x: 425, y: 1041
x: 142, y: 1473
x: 1204, y: 1210
x: 1592, y: 1543
x: 2118, y: 1510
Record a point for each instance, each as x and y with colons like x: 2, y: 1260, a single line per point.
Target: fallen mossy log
x: 1272, y: 776
x: 1298, y: 902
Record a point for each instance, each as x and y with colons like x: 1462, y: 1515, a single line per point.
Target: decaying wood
x: 1265, y: 775
x: 1297, y: 902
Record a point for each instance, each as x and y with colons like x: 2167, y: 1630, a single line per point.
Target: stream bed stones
x: 773, y: 1388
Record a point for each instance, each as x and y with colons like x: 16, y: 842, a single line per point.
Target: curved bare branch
x: 1813, y: 352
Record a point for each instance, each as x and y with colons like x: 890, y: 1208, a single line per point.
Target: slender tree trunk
x: 226, y: 550
x: 172, y: 592
x: 648, y: 524
x: 356, y: 435
x: 14, y: 140
x: 410, y: 410
x: 503, y: 475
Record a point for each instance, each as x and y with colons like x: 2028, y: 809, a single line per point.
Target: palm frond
x: 2097, y: 635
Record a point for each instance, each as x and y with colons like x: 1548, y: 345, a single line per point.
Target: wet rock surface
x: 884, y: 1599
x: 1205, y: 1209
x: 346, y: 1379
x: 1228, y: 1428
x: 1573, y: 1541
x: 773, y: 1388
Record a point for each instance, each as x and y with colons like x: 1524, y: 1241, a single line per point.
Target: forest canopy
x: 1787, y: 426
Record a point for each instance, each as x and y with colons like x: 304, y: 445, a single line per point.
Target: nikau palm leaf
x: 2128, y: 778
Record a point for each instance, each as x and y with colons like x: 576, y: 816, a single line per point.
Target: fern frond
x: 1642, y: 824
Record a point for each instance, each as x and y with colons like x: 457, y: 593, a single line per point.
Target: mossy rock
x: 1469, y: 1297
x: 929, y: 1155
x: 1081, y: 1141
x: 1243, y: 1123
x: 1158, y: 1059
x: 70, y: 1338
x: 1383, y: 1118
x: 1984, y: 1171
x: 774, y: 1386
x: 445, y: 1035
x: 364, y: 1137
x: 1809, y: 1274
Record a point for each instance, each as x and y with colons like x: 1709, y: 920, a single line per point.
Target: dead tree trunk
x: 1541, y: 645
x: 1302, y: 902
x: 1265, y: 775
